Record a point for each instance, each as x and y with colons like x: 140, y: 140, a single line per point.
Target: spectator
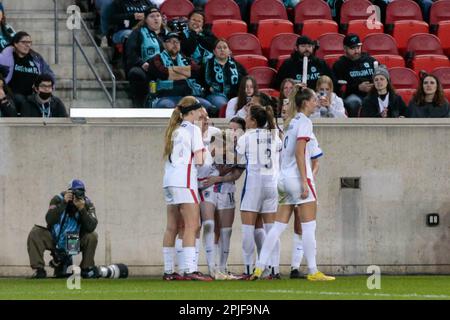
x: 330, y: 105
x: 6, y: 31
x: 260, y: 99
x: 247, y: 88
x: 144, y: 43
x: 356, y: 69
x: 290, y: 3
x: 176, y: 75
x: 42, y: 103
x: 70, y: 212
x: 7, y: 108
x: 24, y: 65
x: 222, y: 76
x: 245, y: 6
x: 425, y: 6
x: 293, y: 66
x: 429, y: 100
x: 197, y: 42
x: 382, y: 101
x: 286, y: 88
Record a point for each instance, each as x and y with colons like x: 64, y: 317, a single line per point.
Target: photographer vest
x: 66, y: 224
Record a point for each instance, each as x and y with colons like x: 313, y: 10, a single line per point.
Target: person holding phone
x: 330, y: 105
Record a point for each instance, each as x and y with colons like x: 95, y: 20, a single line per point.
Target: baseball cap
x: 171, y: 35
x: 151, y: 10
x: 352, y: 40
x: 304, y: 40
x: 76, y: 184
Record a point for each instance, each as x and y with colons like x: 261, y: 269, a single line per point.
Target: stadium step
x: 35, y: 4
x: 65, y: 53
x: 89, y: 89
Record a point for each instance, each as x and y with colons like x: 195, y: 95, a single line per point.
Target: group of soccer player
x: 202, y: 164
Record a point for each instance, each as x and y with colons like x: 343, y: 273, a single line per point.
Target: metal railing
x: 55, y: 12
x: 76, y: 43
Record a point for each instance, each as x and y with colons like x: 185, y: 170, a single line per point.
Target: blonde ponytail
x: 174, y: 123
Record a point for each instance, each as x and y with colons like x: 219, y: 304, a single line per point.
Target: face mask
x: 45, y: 95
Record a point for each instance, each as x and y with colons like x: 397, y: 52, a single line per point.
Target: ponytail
x: 174, y: 123
x: 296, y: 102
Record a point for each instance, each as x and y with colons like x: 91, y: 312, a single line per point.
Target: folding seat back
x: 443, y: 74
x: 404, y: 29
x: 429, y: 62
x: 244, y: 43
x: 440, y: 11
x: 267, y: 9
x: 226, y: 27
x: 221, y: 9
x: 355, y: 9
x: 403, y: 78
x: 330, y: 43
x: 282, y: 44
x: 264, y: 76
x: 176, y: 8
x: 443, y: 34
x: 251, y: 60
x: 402, y: 10
x: 267, y: 29
x: 379, y: 43
x: 311, y: 9
x: 390, y: 60
x: 317, y: 27
x: 364, y: 27
x: 424, y: 43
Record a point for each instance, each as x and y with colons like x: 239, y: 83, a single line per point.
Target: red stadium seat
x: 263, y: 75
x: 429, y: 62
x: 443, y: 74
x: 424, y: 43
x: 330, y: 43
x: 355, y: 9
x: 281, y: 60
x: 440, y: 11
x: 282, y: 44
x: 309, y: 10
x: 251, y: 60
x: 403, y: 30
x: 406, y: 94
x: 221, y: 9
x: 267, y: 29
x: 244, y: 43
x: 267, y: 9
x: 226, y: 27
x: 402, y: 10
x: 317, y: 27
x: 363, y: 28
x: 330, y: 59
x: 403, y: 78
x: 390, y: 60
x: 379, y: 43
x: 222, y: 111
x: 271, y: 92
x: 176, y: 8
x: 443, y: 35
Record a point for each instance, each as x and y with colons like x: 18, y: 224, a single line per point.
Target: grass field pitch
x: 344, y: 288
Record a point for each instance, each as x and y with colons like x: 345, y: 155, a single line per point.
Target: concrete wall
x: 403, y: 166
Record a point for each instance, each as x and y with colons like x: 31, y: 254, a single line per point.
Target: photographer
x: 71, y: 222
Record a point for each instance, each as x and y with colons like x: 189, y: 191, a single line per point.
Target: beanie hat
x: 383, y: 71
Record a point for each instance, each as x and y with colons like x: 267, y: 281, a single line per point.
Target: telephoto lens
x: 113, y: 271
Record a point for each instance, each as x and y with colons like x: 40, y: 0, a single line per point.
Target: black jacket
x: 428, y: 110
x: 7, y: 108
x: 33, y: 108
x: 190, y: 40
x: 293, y: 68
x: 371, y: 109
x: 122, y: 11
x: 133, y: 48
x: 354, y: 72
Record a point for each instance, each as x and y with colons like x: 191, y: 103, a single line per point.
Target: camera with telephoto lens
x: 113, y: 271
x: 178, y: 24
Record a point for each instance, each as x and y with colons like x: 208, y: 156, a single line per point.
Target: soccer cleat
x: 256, y: 274
x: 296, y: 274
x: 197, y: 276
x: 40, y: 273
x: 319, y: 276
x: 276, y: 276
x: 172, y: 276
x: 220, y: 276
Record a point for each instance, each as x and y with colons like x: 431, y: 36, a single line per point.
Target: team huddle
x: 202, y: 164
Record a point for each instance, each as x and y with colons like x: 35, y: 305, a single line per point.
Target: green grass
x: 345, y: 287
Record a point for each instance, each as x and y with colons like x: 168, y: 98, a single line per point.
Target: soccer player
x: 296, y: 186
x: 183, y: 151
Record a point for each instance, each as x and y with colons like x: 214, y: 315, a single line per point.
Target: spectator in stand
x: 290, y: 3
x: 286, y: 88
x: 24, y: 65
x: 425, y: 6
x: 176, y: 76
x: 7, y: 108
x: 6, y: 31
x: 42, y: 103
x: 222, y: 76
x: 356, y: 69
x: 330, y: 105
x: 196, y: 41
x: 144, y: 43
x: 382, y: 101
x: 293, y: 66
x: 429, y: 100
x: 260, y: 99
x: 247, y: 88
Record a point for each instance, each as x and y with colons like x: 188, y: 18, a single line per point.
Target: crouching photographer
x: 71, y: 222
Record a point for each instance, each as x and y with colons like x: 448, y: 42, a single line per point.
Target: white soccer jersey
x: 314, y: 149
x: 208, y: 168
x: 300, y: 127
x: 260, y: 148
x: 180, y: 170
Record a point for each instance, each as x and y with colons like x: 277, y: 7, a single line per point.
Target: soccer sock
x: 309, y: 245
x: 208, y: 243
x: 168, y: 255
x: 189, y: 259
x: 260, y: 235
x: 274, y: 260
x: 197, y: 253
x: 179, y: 255
x: 217, y: 250
x: 225, y: 236
x: 248, y: 247
x: 297, y: 251
x: 270, y: 243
